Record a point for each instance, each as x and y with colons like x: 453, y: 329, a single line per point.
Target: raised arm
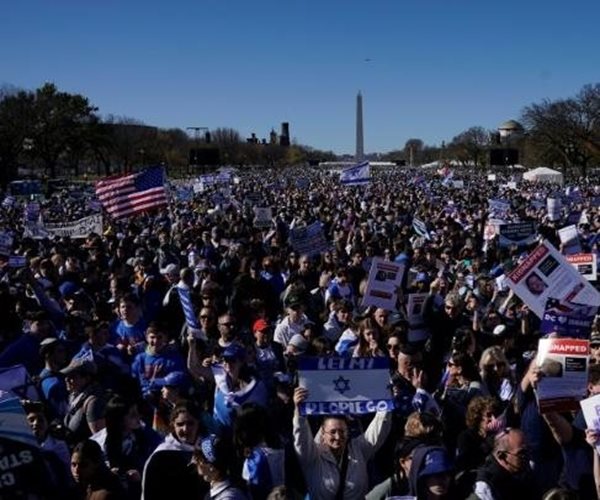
x: 304, y: 443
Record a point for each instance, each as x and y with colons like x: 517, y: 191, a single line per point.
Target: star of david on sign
x: 341, y: 385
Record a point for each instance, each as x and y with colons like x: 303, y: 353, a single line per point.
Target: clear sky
x: 427, y: 69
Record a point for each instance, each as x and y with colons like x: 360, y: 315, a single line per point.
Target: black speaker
x: 504, y: 157
x: 204, y: 156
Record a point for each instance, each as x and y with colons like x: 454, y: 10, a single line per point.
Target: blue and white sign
x: 420, y: 228
x: 499, y: 207
x: 345, y: 386
x: 188, y: 311
x: 356, y: 175
x: 309, y: 240
x: 568, y: 319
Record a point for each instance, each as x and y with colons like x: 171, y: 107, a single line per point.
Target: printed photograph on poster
x: 384, y: 279
x: 546, y: 273
x: 586, y: 265
x: 564, y: 367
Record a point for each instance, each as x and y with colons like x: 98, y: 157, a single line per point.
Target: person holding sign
x: 334, y: 465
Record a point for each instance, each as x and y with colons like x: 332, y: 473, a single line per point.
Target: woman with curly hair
x: 484, y: 419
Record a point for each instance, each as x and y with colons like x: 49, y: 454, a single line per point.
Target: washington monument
x: 360, y: 149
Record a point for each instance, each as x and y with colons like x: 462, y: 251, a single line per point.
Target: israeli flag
x: 420, y: 228
x: 9, y: 202
x: 188, y: 311
x: 356, y: 175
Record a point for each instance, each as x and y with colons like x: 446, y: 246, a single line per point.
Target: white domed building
x: 509, y: 129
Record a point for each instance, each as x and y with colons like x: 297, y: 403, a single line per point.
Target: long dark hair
x: 253, y: 426
x: 117, y: 409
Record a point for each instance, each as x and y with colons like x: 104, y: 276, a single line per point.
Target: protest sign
x: 491, y: 177
x: 564, y: 364
x: 568, y: 319
x: 591, y: 414
x: 309, y: 240
x: 263, y: 217
x: 253, y: 199
x: 345, y: 386
x: 15, y: 261
x: 417, y: 331
x: 570, y: 240
x: 383, y: 282
x: 574, y: 217
x: 31, y: 212
x: 518, y: 233
x: 78, y: 229
x: 198, y: 187
x: 491, y: 229
x: 498, y: 207
x: 546, y: 273
x: 554, y: 206
x: 24, y: 474
x: 459, y: 184
x: 586, y: 265
x: 511, y: 185
x: 6, y: 243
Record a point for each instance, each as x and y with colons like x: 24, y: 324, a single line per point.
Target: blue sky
x: 427, y: 68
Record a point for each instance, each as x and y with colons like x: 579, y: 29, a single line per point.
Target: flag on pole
x: 130, y: 194
x: 356, y: 175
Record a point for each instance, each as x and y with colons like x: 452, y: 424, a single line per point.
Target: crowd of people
x: 134, y: 403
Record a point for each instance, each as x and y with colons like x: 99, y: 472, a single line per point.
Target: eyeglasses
x: 499, y: 364
x: 522, y: 454
x: 336, y: 432
x: 226, y: 324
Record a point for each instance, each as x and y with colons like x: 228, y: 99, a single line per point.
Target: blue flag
x: 356, y: 175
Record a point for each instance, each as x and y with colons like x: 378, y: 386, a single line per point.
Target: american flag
x: 129, y: 194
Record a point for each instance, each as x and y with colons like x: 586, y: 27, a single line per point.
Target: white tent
x: 543, y: 174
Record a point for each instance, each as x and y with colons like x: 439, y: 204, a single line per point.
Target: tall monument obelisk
x: 360, y: 147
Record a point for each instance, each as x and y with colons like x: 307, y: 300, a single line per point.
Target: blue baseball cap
x: 436, y: 461
x: 68, y: 288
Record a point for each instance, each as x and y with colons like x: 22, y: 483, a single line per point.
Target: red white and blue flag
x: 130, y: 194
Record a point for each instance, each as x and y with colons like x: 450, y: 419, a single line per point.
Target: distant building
x: 510, y: 129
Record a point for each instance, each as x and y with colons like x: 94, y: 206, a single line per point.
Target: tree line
x: 59, y: 133
x: 562, y: 133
